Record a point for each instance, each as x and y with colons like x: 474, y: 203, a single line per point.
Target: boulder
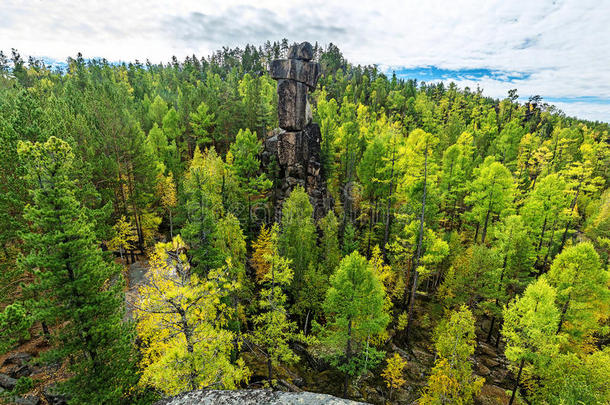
x: 53, y: 397
x: 303, y: 51
x: 17, y: 358
x: 258, y: 396
x: 7, y: 382
x: 489, y: 362
x: 28, y: 400
x: 487, y: 349
x: 482, y: 370
x: 20, y: 371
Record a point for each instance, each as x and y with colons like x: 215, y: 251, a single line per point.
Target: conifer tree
x: 202, y: 121
x: 245, y: 164
x: 273, y: 331
x: 182, y: 323
x: 297, y: 241
x: 582, y: 290
x: 124, y: 237
x: 513, y: 246
x: 490, y: 194
x: 201, y: 208
x: 354, y: 306
x: 166, y: 191
x: 75, y: 290
x: 330, y: 254
x: 452, y: 381
x: 393, y: 373
x: 530, y: 328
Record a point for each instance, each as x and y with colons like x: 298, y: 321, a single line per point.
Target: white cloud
x: 563, y: 45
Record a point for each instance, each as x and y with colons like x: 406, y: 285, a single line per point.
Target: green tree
x: 201, y: 206
x: 354, y: 307
x: 330, y: 254
x: 171, y: 126
x: 582, y: 290
x: 246, y: 166
x: 530, y: 328
x: 513, y: 244
x: 74, y: 288
x: 544, y: 211
x: 490, y: 193
x: 201, y: 122
x: 297, y: 242
x: 257, y: 97
x: 157, y: 110
x: 273, y: 331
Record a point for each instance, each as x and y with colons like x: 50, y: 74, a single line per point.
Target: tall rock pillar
x: 295, y: 146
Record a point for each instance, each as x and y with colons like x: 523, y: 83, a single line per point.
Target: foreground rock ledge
x: 266, y: 397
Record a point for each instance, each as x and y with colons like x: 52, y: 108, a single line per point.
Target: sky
x: 557, y: 49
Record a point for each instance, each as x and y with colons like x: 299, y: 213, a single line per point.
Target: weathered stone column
x: 295, y: 146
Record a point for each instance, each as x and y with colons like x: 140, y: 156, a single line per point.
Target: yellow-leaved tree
x: 166, y: 192
x: 262, y: 248
x: 393, y: 373
x: 181, y: 320
x: 125, y: 237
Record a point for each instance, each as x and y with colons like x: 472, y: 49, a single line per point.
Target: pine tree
x: 75, y: 289
x: 330, y: 254
x: 166, y: 191
x: 245, y: 165
x: 202, y: 122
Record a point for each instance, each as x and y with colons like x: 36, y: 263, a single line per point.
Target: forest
x: 464, y: 258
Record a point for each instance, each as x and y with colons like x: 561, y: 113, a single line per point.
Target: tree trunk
x: 348, y: 356
x: 171, y: 225
x: 388, y: 218
x: 306, y: 322
x: 512, y: 397
x: 487, y: 216
x: 45, y: 330
x: 419, y: 247
x: 563, y: 314
x: 491, y: 328
x: 269, y: 370
x: 542, y: 234
x: 572, y: 206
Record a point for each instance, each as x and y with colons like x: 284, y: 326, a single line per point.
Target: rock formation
x: 246, y: 397
x: 295, y: 146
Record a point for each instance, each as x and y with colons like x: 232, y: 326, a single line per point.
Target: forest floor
x: 309, y: 374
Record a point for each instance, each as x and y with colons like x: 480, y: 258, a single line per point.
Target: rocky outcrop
x: 295, y: 146
x: 246, y: 397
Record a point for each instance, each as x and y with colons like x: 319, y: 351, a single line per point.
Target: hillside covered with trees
x: 464, y: 258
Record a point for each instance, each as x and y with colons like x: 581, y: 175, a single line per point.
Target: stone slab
x: 296, y: 69
x: 292, y: 108
x: 303, y: 51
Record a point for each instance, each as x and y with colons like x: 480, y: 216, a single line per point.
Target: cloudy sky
x: 557, y: 49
